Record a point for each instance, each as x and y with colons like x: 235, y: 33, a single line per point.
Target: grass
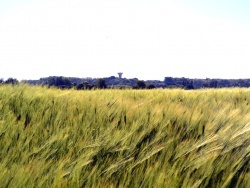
x: 124, y: 138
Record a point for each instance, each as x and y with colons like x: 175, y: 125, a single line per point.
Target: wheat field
x: 124, y: 138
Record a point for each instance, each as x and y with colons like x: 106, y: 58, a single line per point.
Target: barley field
x: 124, y: 138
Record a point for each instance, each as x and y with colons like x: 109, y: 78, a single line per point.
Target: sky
x: 145, y: 39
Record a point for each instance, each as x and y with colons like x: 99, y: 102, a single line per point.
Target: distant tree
x: 112, y: 77
x: 87, y: 85
x: 213, y: 84
x: 197, y: 83
x: 224, y: 83
x: 63, y: 82
x: 101, y: 83
x: 60, y: 82
x: 185, y: 82
x: 51, y: 81
x: 1, y: 80
x: 205, y: 83
x: 189, y: 86
x: 12, y: 81
x: 243, y: 83
x: 140, y: 84
x: 84, y: 85
x: 151, y: 86
x: 80, y: 87
x: 169, y: 81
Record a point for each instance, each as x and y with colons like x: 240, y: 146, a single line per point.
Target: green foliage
x: 101, y: 83
x: 12, y: 81
x: 140, y: 84
x: 151, y: 86
x: 60, y: 82
x: 124, y: 138
x: 84, y: 85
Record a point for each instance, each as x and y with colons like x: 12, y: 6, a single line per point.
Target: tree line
x: 134, y: 83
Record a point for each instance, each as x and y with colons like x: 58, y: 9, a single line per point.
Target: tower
x: 120, y: 74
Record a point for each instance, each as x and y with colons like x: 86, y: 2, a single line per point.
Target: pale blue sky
x: 147, y: 39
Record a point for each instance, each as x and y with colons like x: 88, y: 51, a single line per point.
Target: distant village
x: 134, y: 83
